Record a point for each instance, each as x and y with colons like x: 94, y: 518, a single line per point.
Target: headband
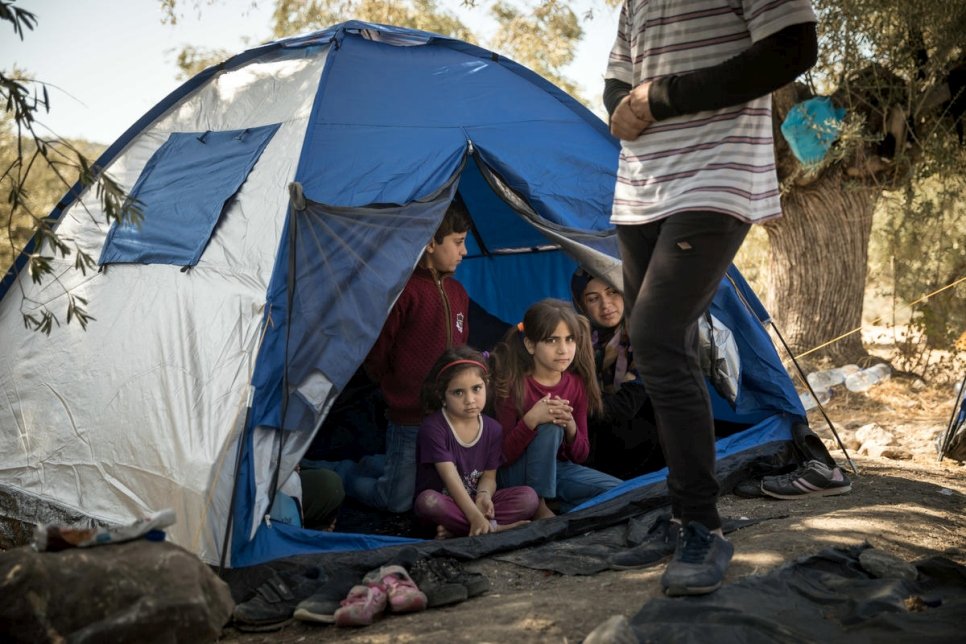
x: 475, y: 363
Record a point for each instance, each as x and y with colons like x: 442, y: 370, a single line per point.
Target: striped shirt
x: 723, y: 160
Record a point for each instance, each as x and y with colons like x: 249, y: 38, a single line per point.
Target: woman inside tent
x: 623, y: 439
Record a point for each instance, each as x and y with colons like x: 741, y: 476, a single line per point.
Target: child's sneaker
x: 815, y: 478
x: 275, y: 599
x: 404, y: 596
x: 322, y: 605
x: 363, y: 606
x: 699, y: 563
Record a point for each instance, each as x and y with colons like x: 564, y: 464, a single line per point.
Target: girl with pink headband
x: 458, y: 452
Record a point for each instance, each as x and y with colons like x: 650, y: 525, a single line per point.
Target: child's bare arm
x: 484, y: 494
x: 479, y: 524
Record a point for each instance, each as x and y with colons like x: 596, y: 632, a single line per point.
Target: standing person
x: 623, y: 437
x: 688, y: 89
x: 429, y: 316
x: 459, y: 451
x: 544, y: 386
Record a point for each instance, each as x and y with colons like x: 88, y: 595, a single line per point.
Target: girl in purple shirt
x: 458, y: 452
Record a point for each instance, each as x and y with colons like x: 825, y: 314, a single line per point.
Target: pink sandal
x: 404, y: 596
x: 362, y: 606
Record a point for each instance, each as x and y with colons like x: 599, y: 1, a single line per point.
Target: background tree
x: 35, y: 164
x: 541, y: 35
x: 897, y: 67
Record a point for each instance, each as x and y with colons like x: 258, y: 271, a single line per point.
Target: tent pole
x: 801, y: 373
x: 234, y: 493
x: 297, y: 201
x: 948, y: 435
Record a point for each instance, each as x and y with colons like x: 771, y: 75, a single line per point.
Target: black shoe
x: 439, y: 590
x: 655, y: 548
x: 275, y: 600
x: 699, y: 563
x: 321, y: 606
x: 815, y: 478
x: 748, y: 489
x: 452, y: 571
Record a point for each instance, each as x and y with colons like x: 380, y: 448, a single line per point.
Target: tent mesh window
x: 182, y: 192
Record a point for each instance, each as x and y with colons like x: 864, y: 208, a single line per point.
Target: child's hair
x: 456, y: 220
x: 510, y: 361
x: 451, y: 363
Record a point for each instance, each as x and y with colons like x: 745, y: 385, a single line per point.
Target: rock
x: 139, y: 591
x: 885, y: 451
x: 884, y: 565
x: 614, y: 630
x: 873, y: 434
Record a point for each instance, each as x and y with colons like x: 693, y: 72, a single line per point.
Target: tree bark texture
x: 818, y: 266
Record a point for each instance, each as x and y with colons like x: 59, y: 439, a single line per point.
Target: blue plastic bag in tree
x: 811, y: 128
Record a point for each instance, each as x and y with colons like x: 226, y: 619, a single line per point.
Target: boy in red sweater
x: 429, y: 317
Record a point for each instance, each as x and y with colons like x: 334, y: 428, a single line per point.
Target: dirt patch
x: 910, y: 506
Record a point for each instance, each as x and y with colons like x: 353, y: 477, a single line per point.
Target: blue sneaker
x: 699, y: 563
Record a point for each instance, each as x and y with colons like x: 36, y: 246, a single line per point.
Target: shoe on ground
x: 404, y: 595
x: 453, y: 571
x: 815, y: 478
x: 363, y: 605
x: 321, y: 606
x: 650, y: 551
x: 748, y: 489
x: 275, y: 599
x: 699, y: 562
x: 439, y: 590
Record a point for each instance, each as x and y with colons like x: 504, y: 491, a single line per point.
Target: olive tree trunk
x: 817, y: 276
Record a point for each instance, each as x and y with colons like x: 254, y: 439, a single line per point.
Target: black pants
x: 672, y: 269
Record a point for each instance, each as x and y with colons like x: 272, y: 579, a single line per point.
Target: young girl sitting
x: 545, y: 383
x: 458, y: 452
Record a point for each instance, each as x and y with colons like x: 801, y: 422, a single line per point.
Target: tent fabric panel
x: 566, y: 174
x: 281, y: 540
x: 410, y: 166
x: 363, y: 258
x: 497, y: 226
x: 429, y: 86
x: 764, y: 384
x: 113, y: 438
x: 182, y: 191
x: 506, y: 285
x: 119, y: 438
x: 269, y: 451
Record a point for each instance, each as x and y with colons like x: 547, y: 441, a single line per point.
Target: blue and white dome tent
x: 287, y: 194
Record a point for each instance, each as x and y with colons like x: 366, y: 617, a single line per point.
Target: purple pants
x: 510, y: 504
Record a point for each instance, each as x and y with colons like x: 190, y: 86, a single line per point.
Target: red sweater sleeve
x: 579, y: 450
x: 516, y: 434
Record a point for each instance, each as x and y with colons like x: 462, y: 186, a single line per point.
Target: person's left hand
x: 485, y: 505
x: 560, y: 410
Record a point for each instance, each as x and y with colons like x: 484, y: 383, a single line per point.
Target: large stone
x: 873, y: 434
x: 139, y: 591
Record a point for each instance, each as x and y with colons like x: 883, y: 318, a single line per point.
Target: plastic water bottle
x: 864, y: 379
x: 830, y: 377
x: 808, y: 402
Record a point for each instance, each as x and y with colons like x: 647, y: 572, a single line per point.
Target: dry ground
x: 910, y: 506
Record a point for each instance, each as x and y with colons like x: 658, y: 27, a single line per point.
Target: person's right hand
x: 479, y: 524
x: 626, y: 123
